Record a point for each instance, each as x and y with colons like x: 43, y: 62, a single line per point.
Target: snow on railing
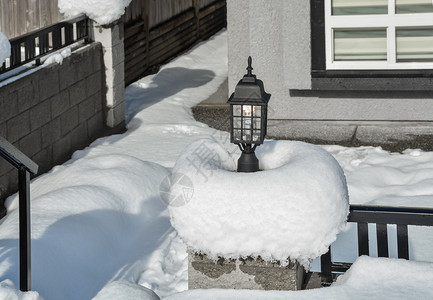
x: 32, y: 46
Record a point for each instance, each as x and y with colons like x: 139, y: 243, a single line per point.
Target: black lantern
x: 248, y: 113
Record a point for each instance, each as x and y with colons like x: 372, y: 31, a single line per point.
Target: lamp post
x: 248, y: 118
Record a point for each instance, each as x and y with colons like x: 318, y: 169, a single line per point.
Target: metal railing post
x: 25, y: 236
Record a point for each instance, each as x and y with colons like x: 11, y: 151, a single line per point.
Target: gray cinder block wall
x: 53, y: 112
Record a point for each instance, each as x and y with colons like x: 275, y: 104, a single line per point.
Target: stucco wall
x: 276, y: 33
x: 53, y: 112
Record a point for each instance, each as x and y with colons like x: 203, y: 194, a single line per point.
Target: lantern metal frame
x: 248, y: 118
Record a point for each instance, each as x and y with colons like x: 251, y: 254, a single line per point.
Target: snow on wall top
x: 293, y: 209
x: 102, y: 11
x: 5, y: 48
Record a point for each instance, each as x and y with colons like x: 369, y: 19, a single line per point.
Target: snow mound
x: 102, y: 11
x: 125, y: 290
x: 294, y: 208
x: 92, y: 222
x: 9, y: 292
x: 380, y: 278
x: 5, y: 48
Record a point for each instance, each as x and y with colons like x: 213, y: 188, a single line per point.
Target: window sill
x: 372, y: 80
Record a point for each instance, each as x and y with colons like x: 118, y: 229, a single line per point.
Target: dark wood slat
x: 205, y: 33
x: 212, y: 8
x: 391, y: 215
x: 382, y: 240
x: 402, y: 241
x: 171, y: 24
x: 172, y: 49
x: 133, y: 29
x: 176, y: 33
x: 340, y: 267
x: 139, y: 58
x: 173, y: 45
x: 139, y: 47
x: 363, y: 239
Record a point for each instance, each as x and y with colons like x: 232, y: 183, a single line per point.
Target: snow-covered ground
x: 99, y: 219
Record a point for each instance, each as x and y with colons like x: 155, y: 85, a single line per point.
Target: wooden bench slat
x: 363, y: 239
x: 382, y: 240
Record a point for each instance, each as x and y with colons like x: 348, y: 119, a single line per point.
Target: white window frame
x: 389, y: 21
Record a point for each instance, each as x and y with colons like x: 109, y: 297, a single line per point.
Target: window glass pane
x: 246, y: 123
x: 359, y: 7
x: 413, y: 6
x: 257, y: 123
x: 257, y: 111
x: 415, y: 45
x: 246, y: 135
x: 246, y: 110
x: 256, y: 136
x: 237, y: 110
x: 352, y: 45
x: 237, y: 135
x: 236, y: 122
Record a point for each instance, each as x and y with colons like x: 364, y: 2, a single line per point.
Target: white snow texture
x: 294, y: 208
x: 102, y: 11
x: 5, y: 48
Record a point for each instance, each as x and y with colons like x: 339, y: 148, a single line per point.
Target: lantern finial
x: 249, y: 68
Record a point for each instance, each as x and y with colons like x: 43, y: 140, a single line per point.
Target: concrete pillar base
x: 111, y: 37
x: 254, y: 274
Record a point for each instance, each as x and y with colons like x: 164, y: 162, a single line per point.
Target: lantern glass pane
x: 237, y: 122
x: 246, y: 135
x: 237, y: 109
x: 246, y: 123
x: 257, y: 123
x: 237, y: 135
x: 257, y: 111
x: 256, y: 136
x: 246, y: 110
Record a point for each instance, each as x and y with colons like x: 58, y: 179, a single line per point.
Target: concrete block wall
x: 53, y: 112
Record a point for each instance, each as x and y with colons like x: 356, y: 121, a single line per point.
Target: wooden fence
x: 156, y: 30
x: 18, y: 17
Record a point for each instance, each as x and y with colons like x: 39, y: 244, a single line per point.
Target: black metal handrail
x: 25, y: 166
x: 381, y: 216
x: 47, y: 39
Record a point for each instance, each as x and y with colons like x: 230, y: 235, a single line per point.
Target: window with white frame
x: 378, y: 34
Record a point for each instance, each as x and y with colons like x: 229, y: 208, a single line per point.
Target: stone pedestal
x: 254, y: 274
x: 111, y: 37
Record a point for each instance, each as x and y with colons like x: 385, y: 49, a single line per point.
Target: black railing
x: 381, y: 216
x: 32, y: 46
x: 25, y: 166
